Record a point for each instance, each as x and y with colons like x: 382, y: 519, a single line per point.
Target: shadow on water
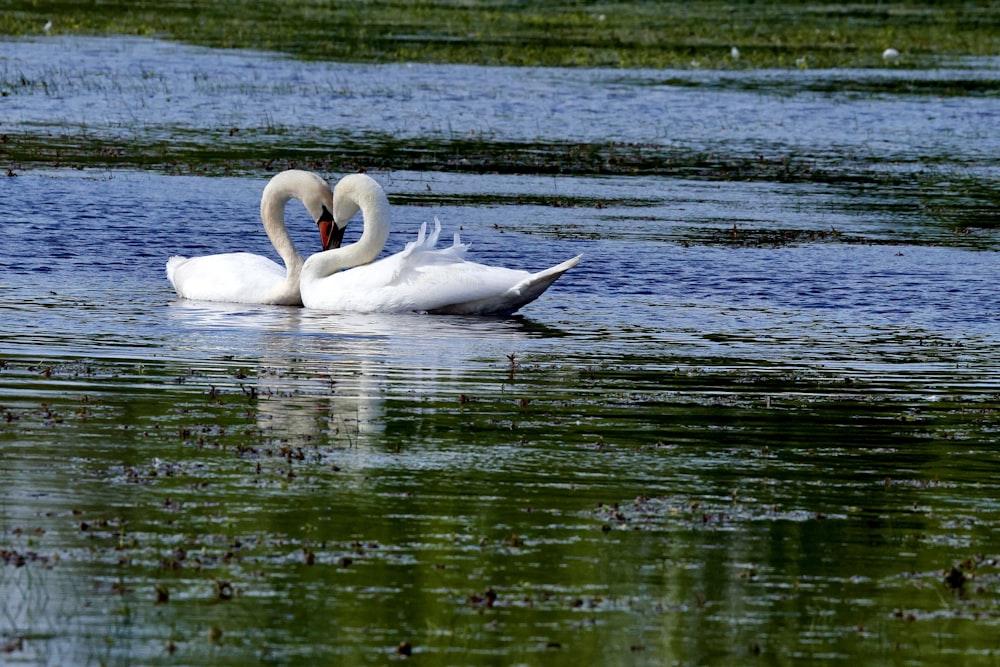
x: 757, y: 423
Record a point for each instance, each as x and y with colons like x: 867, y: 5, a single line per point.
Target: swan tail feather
x: 535, y: 285
x: 546, y: 277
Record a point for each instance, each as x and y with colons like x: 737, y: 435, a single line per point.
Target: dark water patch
x: 841, y: 84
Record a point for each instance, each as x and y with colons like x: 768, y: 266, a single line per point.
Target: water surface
x: 757, y: 425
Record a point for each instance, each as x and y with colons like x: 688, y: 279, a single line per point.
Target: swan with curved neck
x: 420, y: 278
x: 243, y: 277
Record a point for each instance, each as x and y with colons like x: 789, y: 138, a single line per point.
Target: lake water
x: 757, y: 425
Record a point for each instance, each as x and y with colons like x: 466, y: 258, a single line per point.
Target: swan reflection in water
x: 328, y: 375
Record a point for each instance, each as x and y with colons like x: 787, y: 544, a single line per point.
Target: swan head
x: 344, y: 208
x: 318, y: 200
x: 311, y: 189
x: 353, y: 193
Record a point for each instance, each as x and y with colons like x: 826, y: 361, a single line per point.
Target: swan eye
x: 325, y: 216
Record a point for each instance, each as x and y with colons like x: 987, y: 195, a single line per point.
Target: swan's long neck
x: 374, y: 205
x: 276, y: 196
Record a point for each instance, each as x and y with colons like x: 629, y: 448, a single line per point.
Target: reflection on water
x: 689, y: 450
x: 319, y: 371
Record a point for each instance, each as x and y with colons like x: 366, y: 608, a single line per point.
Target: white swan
x: 419, y: 278
x: 243, y: 277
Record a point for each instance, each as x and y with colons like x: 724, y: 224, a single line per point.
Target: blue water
x: 104, y: 239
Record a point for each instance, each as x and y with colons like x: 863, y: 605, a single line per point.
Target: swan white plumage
x: 243, y: 277
x: 420, y: 278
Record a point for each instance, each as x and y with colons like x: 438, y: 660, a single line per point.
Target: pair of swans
x: 421, y: 278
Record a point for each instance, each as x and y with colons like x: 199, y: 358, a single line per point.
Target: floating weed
x: 183, y: 153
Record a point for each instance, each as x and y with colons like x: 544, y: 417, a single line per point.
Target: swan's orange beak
x: 330, y: 234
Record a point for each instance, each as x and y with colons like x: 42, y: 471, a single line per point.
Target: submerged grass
x: 843, y: 83
x: 225, y: 153
x: 509, y: 32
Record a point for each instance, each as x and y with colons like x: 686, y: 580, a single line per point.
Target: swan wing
x: 441, y: 285
x: 468, y: 288
x: 425, y: 249
x: 422, y: 277
x: 524, y: 291
x: 238, y: 277
x: 386, y: 285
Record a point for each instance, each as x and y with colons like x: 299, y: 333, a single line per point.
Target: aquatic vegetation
x: 960, y: 202
x: 635, y: 34
x: 199, y: 520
